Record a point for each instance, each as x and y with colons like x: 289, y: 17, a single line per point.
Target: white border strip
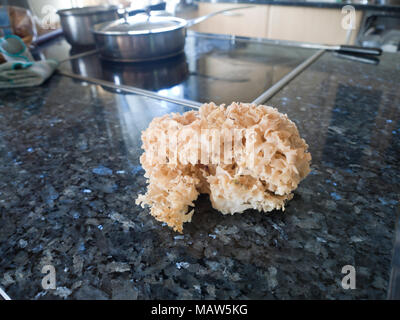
x: 4, y: 295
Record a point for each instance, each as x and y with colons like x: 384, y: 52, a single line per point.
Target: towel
x: 25, y: 74
x: 21, y: 70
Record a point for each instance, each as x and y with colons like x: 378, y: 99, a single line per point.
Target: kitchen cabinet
x: 306, y: 24
x: 250, y: 22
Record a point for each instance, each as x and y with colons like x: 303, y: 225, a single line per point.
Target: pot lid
x: 87, y: 10
x: 140, y: 24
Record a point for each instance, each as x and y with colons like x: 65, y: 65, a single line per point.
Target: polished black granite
x: 349, y: 113
x: 69, y: 175
x: 210, y: 69
x: 314, y: 4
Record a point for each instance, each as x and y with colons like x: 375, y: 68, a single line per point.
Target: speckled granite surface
x: 69, y: 174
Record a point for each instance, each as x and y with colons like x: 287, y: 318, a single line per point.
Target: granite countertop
x: 69, y: 175
x: 315, y: 4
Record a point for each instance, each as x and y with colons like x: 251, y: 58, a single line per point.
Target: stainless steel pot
x: 77, y: 22
x: 144, y: 37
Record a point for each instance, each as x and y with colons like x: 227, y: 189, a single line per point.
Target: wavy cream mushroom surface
x: 245, y: 156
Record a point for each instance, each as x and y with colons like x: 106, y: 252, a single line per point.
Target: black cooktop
x: 212, y: 68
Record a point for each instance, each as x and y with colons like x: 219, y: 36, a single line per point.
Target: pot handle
x: 124, y: 13
x: 194, y: 21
